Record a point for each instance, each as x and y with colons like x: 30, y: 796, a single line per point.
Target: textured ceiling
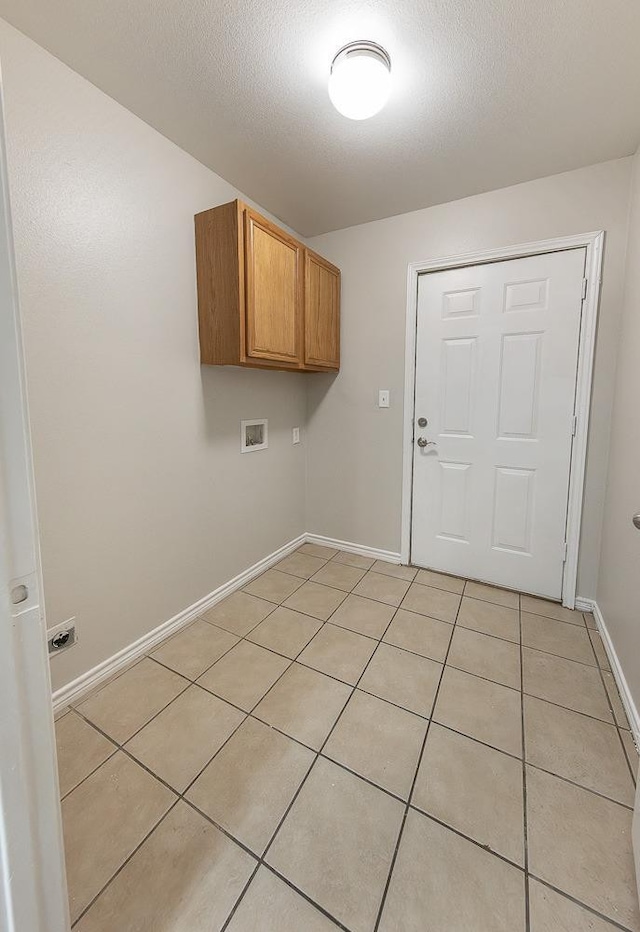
x: 486, y: 93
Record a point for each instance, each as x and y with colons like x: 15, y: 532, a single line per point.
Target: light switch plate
x: 383, y: 398
x: 296, y: 435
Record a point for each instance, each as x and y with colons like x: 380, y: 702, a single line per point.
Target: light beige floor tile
x: 364, y: 616
x: 398, y: 570
x: 420, y: 634
x: 247, y: 787
x: 239, y: 613
x: 316, y: 600
x: 354, y: 559
x: 529, y: 603
x: 487, y: 656
x: 59, y: 713
x: 186, y: 877
x: 577, y: 747
x: 300, y: 564
x: 274, y: 586
x: 406, y: 679
x: 630, y: 750
x: 317, y: 550
x: 488, y: 618
x: 378, y: 741
x: 337, y: 842
x: 474, y: 789
x: 565, y: 682
x: 590, y: 621
x: 129, y: 701
x: 476, y: 590
x: 339, y: 576
x: 480, y: 709
x: 457, y: 885
x: 178, y: 743
x: 339, y: 653
x: 104, y: 820
x: 440, y: 581
x: 581, y: 844
x: 193, y: 650
x: 80, y: 749
x: 382, y: 588
x: 270, y: 905
x: 552, y: 912
x: 557, y: 637
x: 437, y: 603
x: 601, y: 654
x: 304, y: 704
x: 285, y: 631
x: 614, y: 700
x: 244, y: 675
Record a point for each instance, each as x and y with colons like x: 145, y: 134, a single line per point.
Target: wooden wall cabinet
x: 264, y: 299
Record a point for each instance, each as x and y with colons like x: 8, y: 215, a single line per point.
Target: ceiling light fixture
x: 360, y: 80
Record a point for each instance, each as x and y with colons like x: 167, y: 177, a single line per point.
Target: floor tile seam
x: 525, y: 810
x: 75, y: 703
x: 613, y: 715
x: 108, y: 883
x: 115, y: 750
x: 581, y: 903
x: 413, y: 783
x: 474, y: 841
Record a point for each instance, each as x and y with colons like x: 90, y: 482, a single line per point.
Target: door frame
x: 33, y: 890
x: 594, y: 244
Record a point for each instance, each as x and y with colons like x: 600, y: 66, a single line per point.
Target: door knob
x: 423, y: 442
x: 635, y: 519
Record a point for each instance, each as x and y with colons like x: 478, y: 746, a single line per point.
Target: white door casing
x: 496, y: 367
x: 33, y: 893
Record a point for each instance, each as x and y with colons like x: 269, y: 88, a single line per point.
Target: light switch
x: 296, y: 435
x: 383, y: 398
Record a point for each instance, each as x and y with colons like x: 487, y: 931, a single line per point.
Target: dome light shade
x: 360, y: 80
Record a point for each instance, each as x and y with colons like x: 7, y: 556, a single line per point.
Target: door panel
x: 274, y: 292
x: 322, y: 313
x: 496, y: 360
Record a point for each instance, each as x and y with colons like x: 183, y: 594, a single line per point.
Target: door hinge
x: 565, y: 550
x: 574, y: 425
x: 585, y: 285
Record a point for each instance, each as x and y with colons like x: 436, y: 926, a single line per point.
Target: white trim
x: 584, y: 605
x: 616, y: 670
x: 77, y: 688
x: 84, y: 683
x: 389, y: 556
x: 593, y: 243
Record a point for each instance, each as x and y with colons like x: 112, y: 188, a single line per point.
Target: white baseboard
x: 583, y: 605
x: 362, y: 550
x: 589, y: 605
x: 74, y: 690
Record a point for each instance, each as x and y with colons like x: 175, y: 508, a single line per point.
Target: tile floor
x: 349, y: 744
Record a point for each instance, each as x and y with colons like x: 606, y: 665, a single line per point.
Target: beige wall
x: 354, y: 480
x: 145, y: 502
x: 617, y: 594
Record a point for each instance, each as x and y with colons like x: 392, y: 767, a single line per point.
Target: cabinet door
x: 273, y: 262
x: 322, y: 313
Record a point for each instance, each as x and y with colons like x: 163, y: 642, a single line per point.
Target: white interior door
x: 496, y: 362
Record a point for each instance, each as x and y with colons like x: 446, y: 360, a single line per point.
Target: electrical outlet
x: 383, y: 398
x: 62, y: 637
x: 296, y: 435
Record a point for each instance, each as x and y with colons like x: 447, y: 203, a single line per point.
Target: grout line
x: 124, y: 863
x: 319, y: 752
x: 585, y: 906
x: 413, y: 782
